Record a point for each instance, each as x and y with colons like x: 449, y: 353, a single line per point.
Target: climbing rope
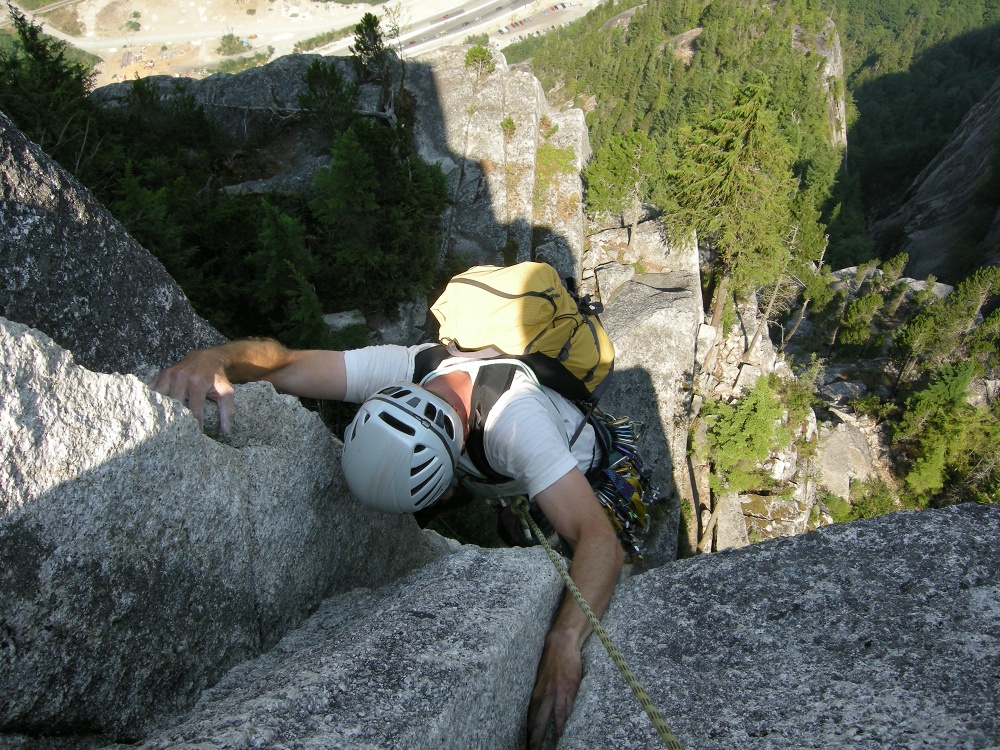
x: 520, y: 508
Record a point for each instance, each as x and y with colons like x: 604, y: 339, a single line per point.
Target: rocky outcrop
x: 140, y: 558
x: 931, y: 220
x: 653, y: 321
x: 871, y: 634
x: 499, y: 191
x: 258, y: 117
x: 69, y: 268
x: 827, y: 44
x: 443, y: 658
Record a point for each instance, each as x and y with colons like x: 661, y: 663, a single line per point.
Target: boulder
x: 141, y: 558
x: 442, y: 658
x: 651, y: 250
x: 843, y: 455
x: 610, y: 277
x: 873, y: 634
x: 68, y: 268
x: 730, y: 525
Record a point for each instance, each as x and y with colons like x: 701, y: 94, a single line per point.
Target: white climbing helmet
x: 401, y: 449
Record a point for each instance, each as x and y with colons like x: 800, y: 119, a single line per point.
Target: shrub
x: 480, y: 59
x: 230, y: 44
x: 508, y: 128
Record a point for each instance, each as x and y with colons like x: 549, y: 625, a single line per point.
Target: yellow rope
x: 520, y: 507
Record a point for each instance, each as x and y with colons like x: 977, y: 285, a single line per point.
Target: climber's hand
x: 556, y: 683
x: 197, y: 377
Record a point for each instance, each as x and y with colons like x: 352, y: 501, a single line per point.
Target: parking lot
x: 540, y: 22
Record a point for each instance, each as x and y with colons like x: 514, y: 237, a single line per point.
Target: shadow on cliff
x: 905, y: 118
x: 113, y: 633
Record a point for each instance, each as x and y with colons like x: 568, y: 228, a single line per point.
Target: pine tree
x: 733, y: 184
x: 45, y: 95
x: 619, y: 178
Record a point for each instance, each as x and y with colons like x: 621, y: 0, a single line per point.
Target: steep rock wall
x: 140, y: 557
x: 931, y: 218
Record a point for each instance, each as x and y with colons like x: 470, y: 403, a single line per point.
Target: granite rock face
x: 494, y: 180
x: 873, y: 634
x: 932, y: 215
x: 653, y: 321
x: 430, y: 661
x: 68, y: 268
x: 141, y: 558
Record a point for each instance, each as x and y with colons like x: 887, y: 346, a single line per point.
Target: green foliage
x: 839, y: 508
x: 321, y: 40
x: 230, y: 44
x: 280, y: 287
x: 45, y: 94
x: 133, y: 25
x: 872, y: 406
x: 741, y: 435
x: 872, y: 499
x: 522, y: 51
x: 951, y: 448
x: 480, y: 59
x: 36, y: 4
x: 618, y: 177
x: 377, y: 210
x: 733, y: 184
x: 914, y: 70
x: 328, y: 98
x: 946, y: 331
x: 371, y: 56
x: 245, y: 63
x: 508, y: 128
x: 798, y: 395
x: 856, y: 326
x: 478, y: 39
x: 550, y: 163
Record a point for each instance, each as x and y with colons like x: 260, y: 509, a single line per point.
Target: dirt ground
x: 136, y: 38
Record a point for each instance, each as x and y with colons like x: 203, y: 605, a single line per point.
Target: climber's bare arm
x: 577, y: 515
x: 209, y: 374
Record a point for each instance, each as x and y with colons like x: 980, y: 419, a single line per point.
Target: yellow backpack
x: 525, y: 311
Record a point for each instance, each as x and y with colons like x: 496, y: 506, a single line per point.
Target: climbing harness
x: 520, y: 507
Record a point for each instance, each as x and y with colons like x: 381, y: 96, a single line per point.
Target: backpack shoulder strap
x: 427, y: 361
x: 491, y: 383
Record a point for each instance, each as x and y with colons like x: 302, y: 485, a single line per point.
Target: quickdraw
x: 623, y: 484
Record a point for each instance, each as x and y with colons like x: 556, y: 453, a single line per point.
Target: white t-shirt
x: 527, y: 432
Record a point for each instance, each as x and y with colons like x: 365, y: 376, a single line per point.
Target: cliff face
x: 168, y: 587
x: 67, y: 267
x: 932, y: 219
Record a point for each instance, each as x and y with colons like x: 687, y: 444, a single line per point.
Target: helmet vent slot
x: 416, y: 489
x: 397, y: 424
x: 417, y: 469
